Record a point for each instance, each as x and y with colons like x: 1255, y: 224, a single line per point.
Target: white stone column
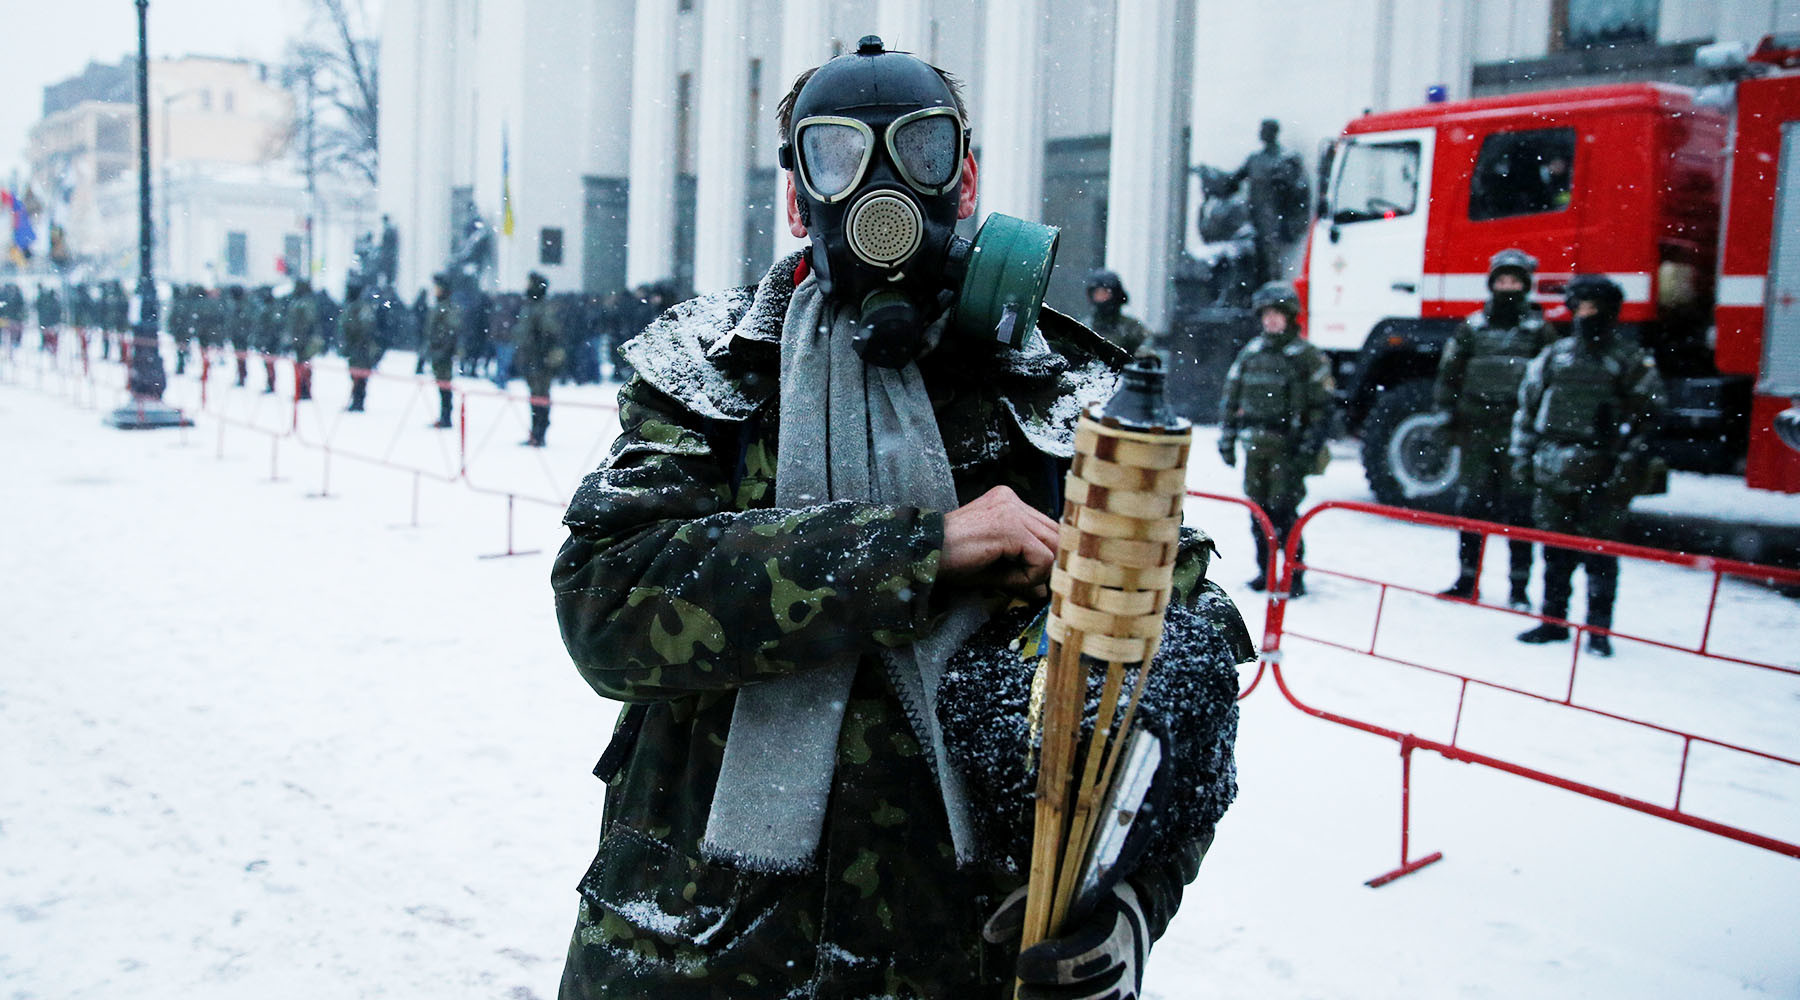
x: 723, y: 148
x: 905, y: 26
x: 1009, y: 125
x: 1140, y: 232
x: 650, y: 199
x: 804, y: 44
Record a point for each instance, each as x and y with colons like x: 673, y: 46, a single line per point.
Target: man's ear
x: 965, y: 206
x: 795, y: 226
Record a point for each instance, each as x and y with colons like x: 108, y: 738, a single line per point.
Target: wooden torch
x: 1110, y: 585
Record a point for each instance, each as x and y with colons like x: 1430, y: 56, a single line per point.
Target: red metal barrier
x: 1270, y: 650
x: 1279, y: 630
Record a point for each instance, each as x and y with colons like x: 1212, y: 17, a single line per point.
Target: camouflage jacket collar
x: 719, y: 356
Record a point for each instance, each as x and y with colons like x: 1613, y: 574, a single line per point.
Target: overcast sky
x: 51, y: 40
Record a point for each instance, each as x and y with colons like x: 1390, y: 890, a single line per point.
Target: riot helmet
x: 1278, y: 295
x: 1115, y: 298
x: 876, y: 146
x: 1606, y: 297
x: 1508, y: 307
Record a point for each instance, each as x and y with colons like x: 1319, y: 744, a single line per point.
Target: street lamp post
x: 148, y: 379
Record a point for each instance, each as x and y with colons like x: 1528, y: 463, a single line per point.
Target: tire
x: 1405, y: 458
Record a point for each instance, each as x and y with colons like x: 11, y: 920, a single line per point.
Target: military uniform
x: 49, y: 317
x: 1585, y: 408
x: 271, y: 331
x: 239, y: 319
x: 540, y: 356
x: 1477, y: 389
x: 443, y: 331
x: 303, y: 336
x: 1278, y: 399
x: 680, y: 584
x: 12, y: 313
x: 358, y: 328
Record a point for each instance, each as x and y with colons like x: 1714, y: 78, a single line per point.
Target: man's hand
x: 998, y: 540
x: 1100, y: 958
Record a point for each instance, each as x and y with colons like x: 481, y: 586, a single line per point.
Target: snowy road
x: 263, y: 744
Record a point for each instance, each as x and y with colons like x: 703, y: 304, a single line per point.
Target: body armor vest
x: 1578, y: 404
x: 1498, y: 359
x: 1268, y: 395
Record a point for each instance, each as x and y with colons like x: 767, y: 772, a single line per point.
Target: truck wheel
x: 1406, y: 457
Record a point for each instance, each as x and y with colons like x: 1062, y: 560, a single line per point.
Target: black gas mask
x: 877, y: 150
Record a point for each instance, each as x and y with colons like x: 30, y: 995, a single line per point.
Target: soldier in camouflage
x: 684, y: 585
x: 540, y: 352
x: 1477, y: 391
x: 1106, y: 295
x: 304, y: 335
x: 443, y: 332
x: 12, y: 313
x: 358, y: 330
x: 271, y: 330
x: 239, y: 321
x: 1580, y: 438
x: 1278, y: 397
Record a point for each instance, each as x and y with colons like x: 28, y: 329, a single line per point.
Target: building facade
x: 230, y: 198
x: 612, y: 143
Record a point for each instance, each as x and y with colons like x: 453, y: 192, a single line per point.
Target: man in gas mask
x: 822, y: 487
x: 1579, y: 442
x: 1477, y: 391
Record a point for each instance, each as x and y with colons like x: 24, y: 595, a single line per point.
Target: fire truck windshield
x: 1375, y: 180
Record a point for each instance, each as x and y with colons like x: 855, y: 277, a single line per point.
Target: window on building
x: 237, y: 254
x: 1523, y: 173
x: 1378, y: 180
x: 292, y: 250
x: 550, y: 245
x: 205, y: 99
x: 1586, y: 24
x: 229, y: 101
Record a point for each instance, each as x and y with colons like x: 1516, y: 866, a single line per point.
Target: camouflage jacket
x: 539, y: 335
x: 1585, y: 416
x: 1280, y: 394
x: 1124, y: 332
x: 680, y: 583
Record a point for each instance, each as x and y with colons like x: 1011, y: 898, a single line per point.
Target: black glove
x: 1228, y: 451
x: 1101, y: 958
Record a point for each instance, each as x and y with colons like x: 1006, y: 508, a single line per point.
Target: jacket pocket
x: 695, y: 918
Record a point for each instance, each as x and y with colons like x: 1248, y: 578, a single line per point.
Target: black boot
x: 1545, y: 632
x: 444, y: 400
x: 1260, y: 581
x: 1518, y: 573
x: 359, y: 387
x: 1299, y: 587
x: 1599, y: 645
x: 1462, y: 590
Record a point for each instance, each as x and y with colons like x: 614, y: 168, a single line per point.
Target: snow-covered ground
x: 259, y: 742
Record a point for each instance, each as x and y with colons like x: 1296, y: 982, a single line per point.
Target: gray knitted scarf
x: 775, y: 780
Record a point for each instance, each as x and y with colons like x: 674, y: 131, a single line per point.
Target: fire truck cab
x: 1680, y: 197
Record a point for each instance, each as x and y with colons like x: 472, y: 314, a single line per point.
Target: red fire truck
x: 1689, y: 199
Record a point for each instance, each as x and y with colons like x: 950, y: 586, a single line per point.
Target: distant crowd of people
x: 530, y: 334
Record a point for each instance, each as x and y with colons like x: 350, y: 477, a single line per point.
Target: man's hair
x: 784, y: 111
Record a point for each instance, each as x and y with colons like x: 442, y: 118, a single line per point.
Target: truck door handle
x: 1404, y: 286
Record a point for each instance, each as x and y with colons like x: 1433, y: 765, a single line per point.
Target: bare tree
x: 334, y: 74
